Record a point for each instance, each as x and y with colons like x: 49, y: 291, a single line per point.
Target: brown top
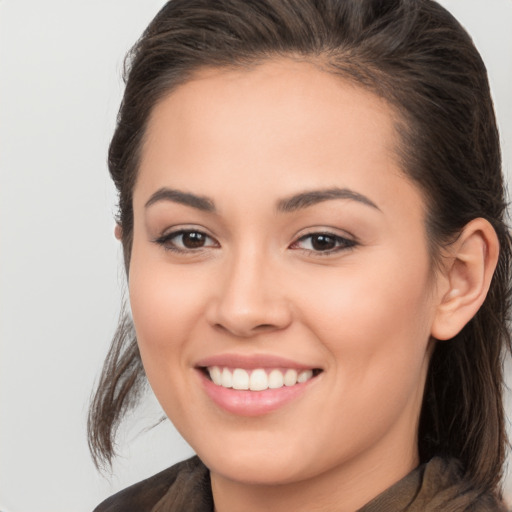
x: 436, y: 486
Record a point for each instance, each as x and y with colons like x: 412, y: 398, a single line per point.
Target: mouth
x: 255, y: 385
x: 258, y: 379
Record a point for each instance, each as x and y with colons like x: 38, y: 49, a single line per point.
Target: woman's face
x: 277, y: 245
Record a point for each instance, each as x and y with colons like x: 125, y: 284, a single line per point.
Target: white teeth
x: 240, y: 379
x: 258, y: 379
x: 216, y: 375
x: 275, y: 379
x: 227, y: 379
x: 290, y: 377
x: 304, y: 376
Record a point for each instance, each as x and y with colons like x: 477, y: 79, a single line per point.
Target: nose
x: 250, y: 299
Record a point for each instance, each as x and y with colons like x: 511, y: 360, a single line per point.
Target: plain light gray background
x: 60, y: 268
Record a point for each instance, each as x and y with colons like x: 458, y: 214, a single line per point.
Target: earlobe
x: 118, y: 231
x: 471, y: 262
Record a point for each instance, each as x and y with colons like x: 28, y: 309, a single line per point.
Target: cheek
x: 376, y: 331
x: 165, y: 307
x: 374, y: 319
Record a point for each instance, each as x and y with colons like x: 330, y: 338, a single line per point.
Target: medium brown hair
x: 416, y: 56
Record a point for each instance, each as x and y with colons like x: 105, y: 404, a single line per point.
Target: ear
x: 118, y: 231
x: 467, y: 275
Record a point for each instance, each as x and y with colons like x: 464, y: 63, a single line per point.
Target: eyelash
x: 167, y: 241
x: 341, y: 243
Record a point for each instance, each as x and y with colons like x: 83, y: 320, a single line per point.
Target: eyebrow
x: 289, y: 204
x: 312, y: 197
x: 176, y: 196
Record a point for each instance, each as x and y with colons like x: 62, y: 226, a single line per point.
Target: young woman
x: 311, y: 210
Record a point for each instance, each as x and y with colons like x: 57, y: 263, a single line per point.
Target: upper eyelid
x: 170, y: 233
x: 173, y: 231
x: 325, y: 233
x: 168, y: 243
x: 330, y: 231
x: 185, y: 228
x: 345, y: 242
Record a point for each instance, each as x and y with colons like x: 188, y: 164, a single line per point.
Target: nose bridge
x: 250, y: 299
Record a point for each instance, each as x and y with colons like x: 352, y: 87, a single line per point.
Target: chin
x: 261, y: 464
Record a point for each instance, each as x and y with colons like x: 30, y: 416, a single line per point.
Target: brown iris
x: 193, y: 239
x: 323, y: 242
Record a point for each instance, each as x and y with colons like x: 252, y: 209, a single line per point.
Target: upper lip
x: 251, y: 362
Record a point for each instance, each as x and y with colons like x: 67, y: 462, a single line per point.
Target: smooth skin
x: 225, y: 262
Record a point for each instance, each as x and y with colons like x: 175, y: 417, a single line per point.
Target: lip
x: 252, y: 403
x: 252, y: 362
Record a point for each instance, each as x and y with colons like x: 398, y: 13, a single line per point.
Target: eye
x: 326, y: 243
x: 186, y: 240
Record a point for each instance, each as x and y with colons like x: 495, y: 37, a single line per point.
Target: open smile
x: 258, y: 379
x: 254, y: 386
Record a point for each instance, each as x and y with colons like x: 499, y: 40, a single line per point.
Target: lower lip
x: 252, y: 403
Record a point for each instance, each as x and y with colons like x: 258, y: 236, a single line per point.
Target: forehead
x: 282, y: 120
x: 265, y: 97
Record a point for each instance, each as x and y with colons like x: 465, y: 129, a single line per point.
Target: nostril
x: 244, y: 332
x: 264, y: 327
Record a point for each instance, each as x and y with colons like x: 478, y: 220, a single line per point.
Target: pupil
x: 323, y: 242
x: 193, y: 240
